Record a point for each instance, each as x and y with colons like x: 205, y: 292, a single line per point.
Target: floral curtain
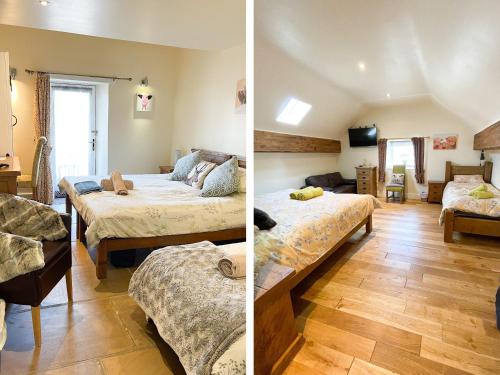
x: 382, y: 154
x: 419, y: 149
x: 44, y: 192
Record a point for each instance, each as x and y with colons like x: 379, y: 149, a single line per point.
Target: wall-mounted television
x: 363, y: 137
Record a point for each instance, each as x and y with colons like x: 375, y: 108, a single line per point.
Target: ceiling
x: 198, y: 24
x: 449, y: 49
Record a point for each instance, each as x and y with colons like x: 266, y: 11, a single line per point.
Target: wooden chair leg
x: 69, y: 285
x: 37, y: 327
x: 386, y: 196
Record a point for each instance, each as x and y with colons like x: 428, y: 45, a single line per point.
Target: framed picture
x: 444, y: 141
x: 144, y: 103
x: 241, y: 96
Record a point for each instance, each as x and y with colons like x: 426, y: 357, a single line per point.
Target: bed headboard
x: 452, y: 170
x: 218, y: 157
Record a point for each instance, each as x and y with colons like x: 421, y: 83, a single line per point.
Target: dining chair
x: 28, y: 184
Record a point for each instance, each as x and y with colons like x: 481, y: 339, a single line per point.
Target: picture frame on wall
x: 241, y: 96
x: 444, y: 141
x: 144, y: 102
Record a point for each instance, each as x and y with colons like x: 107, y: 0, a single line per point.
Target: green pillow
x: 223, y: 180
x: 482, y: 194
x: 184, y: 165
x: 481, y: 187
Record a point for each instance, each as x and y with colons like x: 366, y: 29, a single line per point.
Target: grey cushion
x: 223, y: 180
x: 184, y: 165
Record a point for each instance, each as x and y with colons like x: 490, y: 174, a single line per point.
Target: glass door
x: 73, y: 130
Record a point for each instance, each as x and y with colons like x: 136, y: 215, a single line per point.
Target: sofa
x: 333, y: 182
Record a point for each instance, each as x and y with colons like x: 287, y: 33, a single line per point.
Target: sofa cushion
x: 345, y: 189
x: 325, y: 180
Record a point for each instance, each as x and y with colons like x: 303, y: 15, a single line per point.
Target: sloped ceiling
x: 199, y: 24
x: 449, y: 49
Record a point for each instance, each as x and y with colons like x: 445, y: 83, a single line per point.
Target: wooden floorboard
x: 400, y: 300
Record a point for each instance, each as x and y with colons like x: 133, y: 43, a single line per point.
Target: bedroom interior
x: 392, y: 266
x: 107, y: 124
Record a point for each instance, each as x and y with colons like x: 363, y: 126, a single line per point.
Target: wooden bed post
x: 447, y: 173
x: 448, y: 225
x: 369, y: 224
x: 102, y: 259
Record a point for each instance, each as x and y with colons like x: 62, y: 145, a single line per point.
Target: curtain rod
x: 404, y: 139
x: 79, y: 75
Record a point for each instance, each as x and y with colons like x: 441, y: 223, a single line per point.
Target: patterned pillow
x: 463, y: 178
x: 184, y: 165
x: 397, y: 179
x: 223, y: 180
x: 242, y: 172
x: 198, y: 174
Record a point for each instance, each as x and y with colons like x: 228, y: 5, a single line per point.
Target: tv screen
x: 363, y: 137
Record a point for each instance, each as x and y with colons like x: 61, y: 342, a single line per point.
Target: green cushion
x: 394, y: 188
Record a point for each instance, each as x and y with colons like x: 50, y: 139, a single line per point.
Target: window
x: 294, y: 112
x: 400, y: 152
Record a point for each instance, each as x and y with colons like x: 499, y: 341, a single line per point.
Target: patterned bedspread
x: 456, y: 197
x: 198, y: 312
x: 156, y: 207
x: 307, y: 229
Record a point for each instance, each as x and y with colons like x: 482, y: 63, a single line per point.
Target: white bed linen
x: 305, y: 230
x: 155, y: 207
x: 456, y: 197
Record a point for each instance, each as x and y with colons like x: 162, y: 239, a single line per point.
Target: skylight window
x: 294, y: 111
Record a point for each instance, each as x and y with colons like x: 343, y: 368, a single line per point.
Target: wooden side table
x: 435, y: 194
x: 166, y: 169
x: 276, y: 339
x: 9, y: 175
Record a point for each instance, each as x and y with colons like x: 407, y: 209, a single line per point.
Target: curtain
x: 43, y: 192
x: 382, y: 154
x: 418, y: 149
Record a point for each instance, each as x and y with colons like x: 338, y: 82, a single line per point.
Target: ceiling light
x: 44, y: 3
x: 361, y: 66
x: 294, y: 112
x: 388, y: 95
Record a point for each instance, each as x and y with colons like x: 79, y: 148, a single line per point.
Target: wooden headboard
x: 452, y: 170
x: 218, y: 157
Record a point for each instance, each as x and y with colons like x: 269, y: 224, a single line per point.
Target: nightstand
x: 367, y: 180
x: 166, y: 169
x: 435, y: 191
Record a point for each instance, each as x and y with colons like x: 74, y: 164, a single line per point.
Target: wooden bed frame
x: 276, y: 339
x: 464, y: 224
x: 107, y: 245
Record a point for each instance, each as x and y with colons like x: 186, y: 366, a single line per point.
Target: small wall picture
x: 241, y: 96
x: 144, y: 103
x: 444, y: 141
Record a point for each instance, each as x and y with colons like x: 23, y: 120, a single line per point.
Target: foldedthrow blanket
x: 31, y: 219
x: 197, y: 310
x: 19, y: 255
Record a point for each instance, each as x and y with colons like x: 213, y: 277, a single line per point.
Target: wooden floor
x: 400, y: 300
x: 102, y: 333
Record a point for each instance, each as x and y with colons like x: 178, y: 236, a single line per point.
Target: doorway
x: 73, y: 130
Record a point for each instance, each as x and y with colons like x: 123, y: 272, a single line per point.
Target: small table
x: 435, y: 194
x: 166, y: 169
x: 8, y: 176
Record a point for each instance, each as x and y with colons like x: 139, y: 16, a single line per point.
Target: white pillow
x: 473, y: 178
x: 198, y: 174
x: 242, y: 173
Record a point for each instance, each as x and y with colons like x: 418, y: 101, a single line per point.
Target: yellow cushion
x: 482, y: 194
x: 307, y: 193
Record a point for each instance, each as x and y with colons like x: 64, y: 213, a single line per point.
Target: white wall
x: 136, y: 143
x: 5, y: 107
x: 495, y: 158
x: 205, y: 115
x: 406, y: 119
x: 278, y: 77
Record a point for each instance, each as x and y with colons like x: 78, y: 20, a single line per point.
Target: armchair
x: 33, y: 287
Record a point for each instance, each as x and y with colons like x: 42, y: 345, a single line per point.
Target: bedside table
x: 435, y: 191
x: 166, y: 169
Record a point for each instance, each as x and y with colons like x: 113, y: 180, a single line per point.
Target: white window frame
x: 410, y: 164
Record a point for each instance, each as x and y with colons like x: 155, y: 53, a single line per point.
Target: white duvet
x: 155, y: 207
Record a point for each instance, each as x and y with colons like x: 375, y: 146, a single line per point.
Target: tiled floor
x: 103, y: 332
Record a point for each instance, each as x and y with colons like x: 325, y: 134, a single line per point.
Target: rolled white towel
x: 233, y: 266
